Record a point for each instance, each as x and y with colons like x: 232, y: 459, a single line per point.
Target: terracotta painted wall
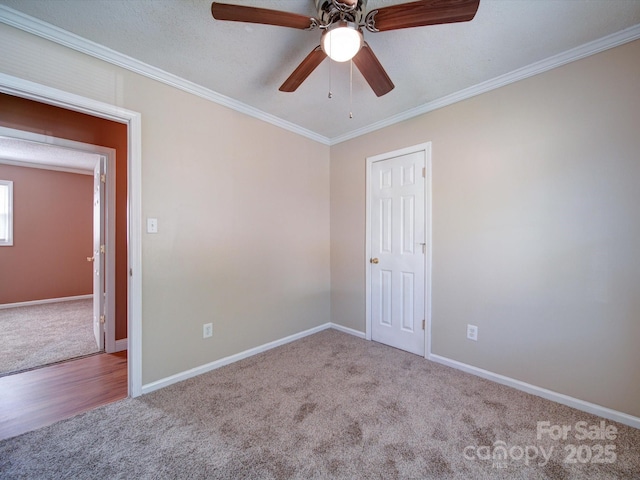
x: 53, y: 222
x: 31, y: 116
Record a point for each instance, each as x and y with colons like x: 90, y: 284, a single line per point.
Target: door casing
x: 426, y: 148
x: 52, y: 96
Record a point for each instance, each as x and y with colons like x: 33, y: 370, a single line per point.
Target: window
x: 6, y: 213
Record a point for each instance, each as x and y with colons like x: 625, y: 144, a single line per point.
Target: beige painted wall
x: 536, y: 228
x: 242, y: 208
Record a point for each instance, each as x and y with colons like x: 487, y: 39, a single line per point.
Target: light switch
x: 152, y: 225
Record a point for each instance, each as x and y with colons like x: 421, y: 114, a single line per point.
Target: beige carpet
x: 327, y: 406
x: 39, y: 335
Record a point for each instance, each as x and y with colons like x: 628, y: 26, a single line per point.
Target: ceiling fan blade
x: 239, y: 13
x: 372, y: 71
x: 300, y: 74
x: 425, y: 12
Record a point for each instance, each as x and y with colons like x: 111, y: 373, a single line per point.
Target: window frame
x: 9, y: 241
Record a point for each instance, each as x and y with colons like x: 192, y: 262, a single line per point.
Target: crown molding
x: 610, y: 41
x: 62, y: 37
x: 55, y: 34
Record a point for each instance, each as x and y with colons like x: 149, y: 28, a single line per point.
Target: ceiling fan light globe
x: 342, y: 42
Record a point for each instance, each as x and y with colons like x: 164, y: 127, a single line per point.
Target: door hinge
x: 102, y: 319
x: 423, y: 322
x: 102, y: 248
x: 103, y: 178
x: 424, y: 172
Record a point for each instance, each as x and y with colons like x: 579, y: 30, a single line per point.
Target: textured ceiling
x: 17, y: 151
x: 248, y: 62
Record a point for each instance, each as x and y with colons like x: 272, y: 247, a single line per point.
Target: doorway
x: 65, y: 196
x: 398, y: 248
x: 96, y: 120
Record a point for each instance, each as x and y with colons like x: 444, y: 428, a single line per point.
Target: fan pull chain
x: 330, y: 75
x: 330, y: 70
x: 351, y: 89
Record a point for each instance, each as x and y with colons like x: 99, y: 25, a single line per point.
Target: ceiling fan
x: 342, y: 23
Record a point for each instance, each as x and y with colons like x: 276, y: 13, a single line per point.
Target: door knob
x: 374, y: 260
x: 89, y: 259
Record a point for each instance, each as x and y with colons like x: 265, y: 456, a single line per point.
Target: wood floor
x: 37, y: 398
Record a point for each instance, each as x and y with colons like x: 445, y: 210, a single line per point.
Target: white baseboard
x: 46, y: 300
x: 350, y: 331
x: 178, y: 377
x: 576, y: 403
x: 121, y: 345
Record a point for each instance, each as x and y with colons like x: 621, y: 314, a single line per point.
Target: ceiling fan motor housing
x: 330, y: 11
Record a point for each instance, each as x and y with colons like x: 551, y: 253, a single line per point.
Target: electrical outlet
x: 472, y: 332
x: 207, y: 330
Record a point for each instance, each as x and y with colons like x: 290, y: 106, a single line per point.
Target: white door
x: 98, y: 253
x: 398, y: 237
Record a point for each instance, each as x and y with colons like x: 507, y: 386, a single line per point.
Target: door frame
x: 426, y: 148
x: 33, y: 91
x: 107, y: 211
